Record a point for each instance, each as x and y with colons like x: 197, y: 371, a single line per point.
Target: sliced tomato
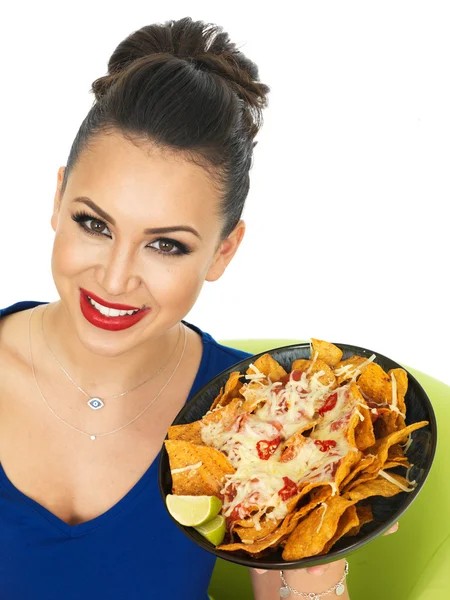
x: 325, y: 445
x: 296, y: 374
x: 289, y: 489
x: 230, y: 492
x: 266, y: 448
x: 329, y: 404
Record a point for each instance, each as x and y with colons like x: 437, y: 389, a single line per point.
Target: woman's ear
x: 225, y: 252
x: 58, y: 197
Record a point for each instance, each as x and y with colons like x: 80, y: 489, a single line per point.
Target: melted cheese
x: 254, y: 487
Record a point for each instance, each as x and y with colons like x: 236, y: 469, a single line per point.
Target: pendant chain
x: 115, y: 395
x: 98, y: 435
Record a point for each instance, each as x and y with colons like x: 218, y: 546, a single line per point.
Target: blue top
x: 133, y: 551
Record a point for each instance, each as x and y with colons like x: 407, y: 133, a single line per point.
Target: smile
x: 111, y: 312
x: 108, y: 315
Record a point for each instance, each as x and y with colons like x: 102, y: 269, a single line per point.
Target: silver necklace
x: 95, y: 402
x: 98, y: 435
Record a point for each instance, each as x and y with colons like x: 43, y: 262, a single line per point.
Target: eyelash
x: 81, y: 218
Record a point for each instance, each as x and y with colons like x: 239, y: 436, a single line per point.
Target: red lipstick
x: 108, y: 304
x: 117, y: 323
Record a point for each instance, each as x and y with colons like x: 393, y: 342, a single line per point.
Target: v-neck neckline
x: 73, y: 531
x: 80, y: 529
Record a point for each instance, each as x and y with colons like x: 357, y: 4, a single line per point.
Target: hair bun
x: 205, y: 45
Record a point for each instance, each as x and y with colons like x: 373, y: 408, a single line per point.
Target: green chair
x: 412, y: 564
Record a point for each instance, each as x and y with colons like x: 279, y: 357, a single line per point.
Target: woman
x: 147, y: 208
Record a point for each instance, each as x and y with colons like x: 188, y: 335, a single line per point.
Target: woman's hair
x: 183, y: 86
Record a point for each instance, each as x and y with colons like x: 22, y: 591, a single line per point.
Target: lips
x: 108, y: 304
x: 111, y: 323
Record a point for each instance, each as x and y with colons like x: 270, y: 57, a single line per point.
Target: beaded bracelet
x: 338, y: 588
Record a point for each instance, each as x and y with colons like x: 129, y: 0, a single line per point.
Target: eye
x: 96, y: 226
x: 169, y: 247
x: 91, y: 225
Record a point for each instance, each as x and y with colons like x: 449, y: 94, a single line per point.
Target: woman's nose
x: 118, y: 275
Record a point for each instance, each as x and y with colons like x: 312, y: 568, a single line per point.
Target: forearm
x: 266, y: 586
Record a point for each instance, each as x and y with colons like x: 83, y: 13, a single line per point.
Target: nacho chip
x: 312, y: 367
x: 232, y: 387
x: 364, y: 513
x: 253, y: 534
x: 349, y: 520
x: 376, y: 487
x: 357, y: 468
x: 315, y: 530
x: 205, y: 479
x: 190, y: 432
x: 401, y: 380
x: 269, y: 541
x: 381, y: 447
x: 327, y: 352
x: 363, y: 434
x: 386, y: 423
x: 376, y: 385
x: 269, y: 366
x: 349, y: 368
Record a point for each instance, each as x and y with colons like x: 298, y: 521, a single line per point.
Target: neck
x: 97, y: 374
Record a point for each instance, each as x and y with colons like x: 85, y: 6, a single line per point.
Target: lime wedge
x: 193, y: 510
x: 213, y: 530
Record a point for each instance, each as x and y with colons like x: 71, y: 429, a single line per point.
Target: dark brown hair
x: 183, y: 86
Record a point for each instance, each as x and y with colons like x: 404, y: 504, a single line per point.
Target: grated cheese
x: 394, y: 481
x: 188, y: 468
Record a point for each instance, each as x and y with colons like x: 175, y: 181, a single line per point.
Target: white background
x: 347, y: 216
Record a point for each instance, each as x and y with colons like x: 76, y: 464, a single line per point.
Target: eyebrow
x: 149, y: 231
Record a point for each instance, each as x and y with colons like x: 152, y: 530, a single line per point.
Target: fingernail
x: 261, y: 571
x: 319, y: 570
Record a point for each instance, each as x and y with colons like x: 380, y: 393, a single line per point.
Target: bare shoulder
x: 14, y: 337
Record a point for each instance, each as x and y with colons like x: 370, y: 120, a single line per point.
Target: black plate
x: 386, y: 511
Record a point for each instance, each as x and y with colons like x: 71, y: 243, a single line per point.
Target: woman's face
x: 138, y: 227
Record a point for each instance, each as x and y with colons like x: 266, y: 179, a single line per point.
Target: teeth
x: 111, y: 312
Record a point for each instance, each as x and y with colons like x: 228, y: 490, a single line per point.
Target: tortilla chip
x: 252, y: 534
x: 349, y: 368
x: 365, y: 515
x: 348, y: 521
x: 363, y: 434
x: 269, y: 366
x: 311, y: 367
x: 217, y: 400
x: 386, y: 423
x: 207, y: 479
x: 345, y: 466
x: 357, y: 468
x: 232, y: 387
x: 401, y: 379
x: 315, y: 530
x: 252, y: 396
x: 397, y: 454
x: 190, y: 432
x: 376, y: 487
x: 381, y: 447
x: 269, y: 541
x: 329, y: 353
